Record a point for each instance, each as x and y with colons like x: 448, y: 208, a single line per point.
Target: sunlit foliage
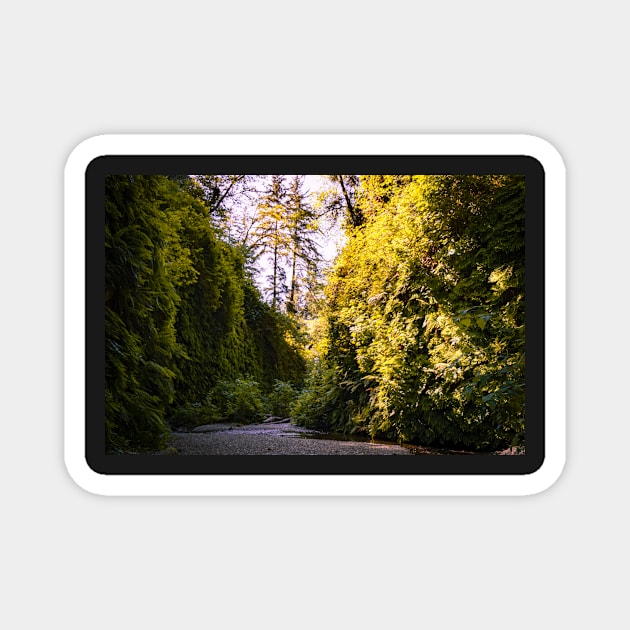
x: 417, y: 336
x: 425, y: 314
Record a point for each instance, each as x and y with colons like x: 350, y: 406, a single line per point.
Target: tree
x: 271, y: 236
x: 303, y: 251
x: 223, y: 194
x: 340, y: 199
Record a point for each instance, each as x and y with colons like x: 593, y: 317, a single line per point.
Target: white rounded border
x: 314, y: 485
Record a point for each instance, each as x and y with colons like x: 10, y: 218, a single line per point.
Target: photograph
x: 316, y: 315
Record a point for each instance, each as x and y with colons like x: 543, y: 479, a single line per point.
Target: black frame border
x: 527, y: 463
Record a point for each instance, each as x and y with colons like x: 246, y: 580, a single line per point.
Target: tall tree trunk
x: 291, y: 306
x: 275, y: 267
x: 356, y: 218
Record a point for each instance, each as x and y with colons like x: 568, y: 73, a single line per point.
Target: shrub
x: 193, y: 415
x: 236, y: 401
x: 281, y: 399
x: 318, y: 405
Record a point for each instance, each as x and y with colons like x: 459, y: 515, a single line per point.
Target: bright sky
x: 329, y: 247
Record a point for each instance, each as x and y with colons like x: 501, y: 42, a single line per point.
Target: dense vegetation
x: 218, y: 306
x: 424, y: 321
x: 184, y: 322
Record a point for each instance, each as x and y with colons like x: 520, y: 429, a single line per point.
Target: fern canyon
x: 389, y: 309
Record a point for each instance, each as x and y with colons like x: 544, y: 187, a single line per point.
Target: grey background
x: 73, y: 70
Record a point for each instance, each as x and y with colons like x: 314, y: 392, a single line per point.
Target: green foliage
x: 425, y: 314
x: 316, y: 404
x: 420, y: 334
x: 193, y: 414
x: 304, y: 256
x: 281, y: 399
x: 240, y: 400
x: 182, y: 317
x: 140, y: 345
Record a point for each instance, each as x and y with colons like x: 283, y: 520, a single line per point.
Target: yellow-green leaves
x: 426, y: 310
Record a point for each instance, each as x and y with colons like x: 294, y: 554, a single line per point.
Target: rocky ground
x: 271, y: 438
x: 277, y: 436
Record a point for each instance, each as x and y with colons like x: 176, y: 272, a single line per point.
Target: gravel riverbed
x: 271, y: 439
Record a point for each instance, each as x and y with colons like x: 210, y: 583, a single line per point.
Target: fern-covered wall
x: 419, y: 337
x: 181, y: 313
x: 425, y: 312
